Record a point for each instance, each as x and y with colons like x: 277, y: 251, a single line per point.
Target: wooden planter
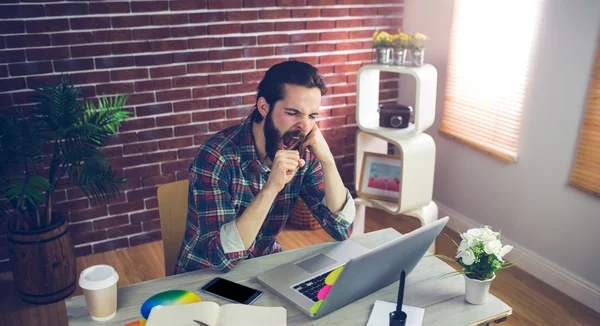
x: 43, y: 262
x: 302, y: 218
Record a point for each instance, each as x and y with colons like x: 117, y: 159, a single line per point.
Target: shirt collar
x: 250, y: 161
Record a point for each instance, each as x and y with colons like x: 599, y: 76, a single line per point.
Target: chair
x: 172, y: 208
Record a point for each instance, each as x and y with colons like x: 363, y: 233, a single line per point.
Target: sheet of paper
x: 380, y: 315
x: 239, y: 314
x: 184, y: 315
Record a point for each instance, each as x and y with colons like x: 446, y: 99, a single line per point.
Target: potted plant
x: 57, y: 144
x: 480, y: 254
x: 400, y: 42
x: 417, y: 49
x: 383, y: 43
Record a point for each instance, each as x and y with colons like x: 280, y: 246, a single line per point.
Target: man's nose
x: 304, y: 125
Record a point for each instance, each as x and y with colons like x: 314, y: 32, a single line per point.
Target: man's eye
x: 313, y: 116
x: 292, y: 113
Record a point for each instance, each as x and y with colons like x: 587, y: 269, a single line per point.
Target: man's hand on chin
x: 318, y: 146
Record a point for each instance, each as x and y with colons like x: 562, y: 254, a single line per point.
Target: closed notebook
x: 212, y: 314
x: 380, y: 315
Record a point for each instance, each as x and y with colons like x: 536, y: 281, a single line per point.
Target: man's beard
x: 274, y: 141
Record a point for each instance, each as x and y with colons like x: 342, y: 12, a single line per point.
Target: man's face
x: 292, y: 118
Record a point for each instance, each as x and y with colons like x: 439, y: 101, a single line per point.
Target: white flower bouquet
x: 481, y: 254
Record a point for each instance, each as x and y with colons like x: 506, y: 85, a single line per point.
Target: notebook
x: 211, y: 314
x: 380, y: 315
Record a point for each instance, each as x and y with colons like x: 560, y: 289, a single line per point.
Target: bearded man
x: 245, y: 179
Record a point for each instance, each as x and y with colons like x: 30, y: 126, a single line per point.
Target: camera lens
x: 396, y: 121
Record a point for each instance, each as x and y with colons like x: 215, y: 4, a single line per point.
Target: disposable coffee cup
x: 99, y: 284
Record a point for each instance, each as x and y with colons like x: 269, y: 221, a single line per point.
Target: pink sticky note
x: 323, y: 292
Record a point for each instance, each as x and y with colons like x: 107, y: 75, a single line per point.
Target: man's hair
x: 272, y: 86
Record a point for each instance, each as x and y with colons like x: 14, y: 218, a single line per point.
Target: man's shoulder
x: 223, y: 143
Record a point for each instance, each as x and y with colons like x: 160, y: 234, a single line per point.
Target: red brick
x: 209, y: 91
x: 265, y: 63
x: 200, y: 43
x: 291, y: 49
x: 177, y: 19
x: 120, y: 88
x: 121, y: 138
x: 145, y: 238
x: 242, y: 88
x: 330, y: 100
x: 151, y: 33
x: 238, y: 112
x: 222, y: 4
x: 353, y: 68
x: 320, y: 47
x: 88, y: 214
x: 72, y: 38
x: 207, y: 17
x: 3, y: 71
x: 253, y: 76
x: 153, y: 60
x: 190, y: 56
x: 152, y: 85
x: 141, y: 172
x: 330, y: 36
x: 348, y: 46
x: 344, y: 89
x: 238, y: 65
x: 155, y: 134
x: 91, y: 77
x: 224, y: 54
x: 28, y: 41
x: 73, y: 205
x: 175, y: 143
x: 110, y: 245
x: 275, y: 14
x: 89, y: 50
x: 360, y: 34
x: 111, y: 152
x: 136, y: 195
x: 67, y: 9
x: 240, y: 41
x: 188, y: 31
x: 71, y: 65
x: 296, y: 13
x: 153, y: 109
x: 130, y: 47
x: 365, y: 56
x: 172, y: 120
x: 218, y: 126
x: 200, y: 139
x: 190, y: 81
x: 173, y: 95
x: 352, y: 2
x: 114, y: 62
x: 225, y: 101
x: 130, y: 21
x: 109, y: 7
x: 335, y: 79
x: 191, y: 130
x: 83, y: 251
x: 224, y: 78
x: 259, y: 52
x: 34, y: 68
x: 187, y: 4
x: 89, y: 23
x: 85, y: 237
x: 125, y: 230
x: 137, y: 124
x: 168, y: 71
x: 190, y: 105
x: 320, y: 24
x: 290, y: 26
x: 12, y: 84
x: 139, y: 148
x: 363, y: 11
x: 390, y: 10
x: 172, y: 167
x: 151, y: 226
x: 12, y: 56
x: 335, y: 12
x: 242, y: 15
x: 12, y: 27
x: 224, y: 28
x: 346, y: 23
x: 148, y: 215
x: 333, y: 58
x: 129, y: 74
x: 258, y: 27
x: 172, y: 45
x: 47, y: 25
x: 259, y: 3
x: 22, y: 11
x: 288, y: 3
x: 208, y: 115
x: 272, y: 39
x: 109, y: 222
x: 299, y: 38
x: 146, y: 6
x: 143, y: 98
x: 158, y: 179
x: 113, y: 35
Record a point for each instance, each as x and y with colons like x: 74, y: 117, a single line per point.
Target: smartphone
x: 231, y: 291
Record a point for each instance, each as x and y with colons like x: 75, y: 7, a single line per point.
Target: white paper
x: 380, y: 315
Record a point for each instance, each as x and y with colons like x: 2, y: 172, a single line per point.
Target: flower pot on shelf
x: 476, y: 291
x: 417, y: 57
x: 400, y: 56
x: 384, y: 55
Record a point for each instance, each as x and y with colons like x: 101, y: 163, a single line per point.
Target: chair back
x: 173, y: 208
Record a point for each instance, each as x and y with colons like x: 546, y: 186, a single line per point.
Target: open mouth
x: 291, y: 142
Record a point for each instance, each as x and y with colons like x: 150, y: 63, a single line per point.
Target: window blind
x: 586, y: 169
x: 488, y: 65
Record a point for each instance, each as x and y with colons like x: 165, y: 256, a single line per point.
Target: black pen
x: 398, y: 317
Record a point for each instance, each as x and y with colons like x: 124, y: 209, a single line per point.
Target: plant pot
x: 417, y: 57
x: 476, y: 291
x: 400, y: 56
x: 385, y: 56
x: 43, y: 262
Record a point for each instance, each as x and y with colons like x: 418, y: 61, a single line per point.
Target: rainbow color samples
x: 168, y: 298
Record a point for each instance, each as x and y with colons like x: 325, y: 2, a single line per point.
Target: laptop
x: 365, y: 271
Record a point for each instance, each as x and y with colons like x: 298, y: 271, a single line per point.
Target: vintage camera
x: 394, y: 115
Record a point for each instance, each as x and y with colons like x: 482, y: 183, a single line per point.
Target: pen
x: 200, y: 323
x: 401, y: 291
x: 398, y: 317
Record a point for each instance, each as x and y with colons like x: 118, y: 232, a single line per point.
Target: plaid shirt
x: 225, y: 177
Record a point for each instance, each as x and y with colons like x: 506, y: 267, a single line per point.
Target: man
x: 245, y: 179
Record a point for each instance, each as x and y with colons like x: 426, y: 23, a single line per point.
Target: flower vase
x: 476, y: 291
x: 400, y: 56
x: 384, y: 55
x: 417, y: 57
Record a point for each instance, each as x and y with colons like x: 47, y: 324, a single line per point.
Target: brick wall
x: 191, y: 69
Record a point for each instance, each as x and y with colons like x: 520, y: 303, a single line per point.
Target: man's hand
x: 283, y: 169
x: 317, y: 145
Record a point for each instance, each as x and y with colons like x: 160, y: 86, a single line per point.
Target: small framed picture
x: 380, y: 177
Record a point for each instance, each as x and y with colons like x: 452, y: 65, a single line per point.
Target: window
x: 488, y: 65
x: 586, y: 170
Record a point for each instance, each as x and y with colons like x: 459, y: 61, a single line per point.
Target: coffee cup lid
x: 98, y: 277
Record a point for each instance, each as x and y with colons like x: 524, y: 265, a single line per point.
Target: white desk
x: 443, y: 300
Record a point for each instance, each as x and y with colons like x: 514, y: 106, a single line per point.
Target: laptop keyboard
x: 311, y: 288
